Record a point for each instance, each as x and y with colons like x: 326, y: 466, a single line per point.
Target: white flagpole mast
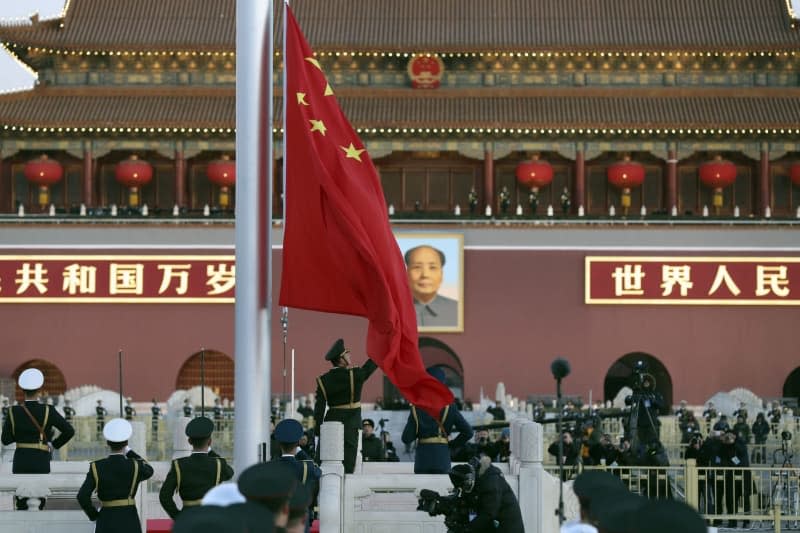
x: 252, y: 374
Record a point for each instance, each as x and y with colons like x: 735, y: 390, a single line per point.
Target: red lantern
x: 794, y: 173
x: 535, y: 173
x: 717, y: 175
x: 222, y: 172
x: 625, y: 175
x: 43, y: 172
x: 134, y: 173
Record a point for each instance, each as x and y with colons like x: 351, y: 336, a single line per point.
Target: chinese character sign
x: 693, y: 280
x: 117, y: 278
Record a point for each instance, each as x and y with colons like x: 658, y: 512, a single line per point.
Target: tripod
x: 784, y: 490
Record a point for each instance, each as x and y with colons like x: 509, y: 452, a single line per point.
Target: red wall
x: 522, y: 309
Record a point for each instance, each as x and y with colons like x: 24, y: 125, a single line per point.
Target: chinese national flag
x: 339, y: 253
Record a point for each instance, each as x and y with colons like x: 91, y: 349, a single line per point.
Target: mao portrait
x: 434, y: 264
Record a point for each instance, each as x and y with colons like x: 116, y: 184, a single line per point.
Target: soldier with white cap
x: 116, y: 479
x: 31, y: 425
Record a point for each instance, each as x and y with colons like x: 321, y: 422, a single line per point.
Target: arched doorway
x: 218, y: 373
x: 54, y: 382
x: 619, y: 375
x: 791, y: 387
x: 434, y: 353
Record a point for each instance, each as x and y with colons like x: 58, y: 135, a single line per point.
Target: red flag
x: 339, y: 253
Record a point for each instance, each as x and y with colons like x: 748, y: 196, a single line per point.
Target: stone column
x: 331, y: 486
x: 88, y: 175
x: 180, y: 175
x: 580, y: 180
x: 671, y: 188
x: 488, y: 179
x: 763, y: 180
x: 537, y: 516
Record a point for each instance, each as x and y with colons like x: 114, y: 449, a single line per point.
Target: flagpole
x: 253, y: 129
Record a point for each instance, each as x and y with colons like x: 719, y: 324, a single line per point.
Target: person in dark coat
x: 191, y: 477
x: 130, y: 411
x: 371, y: 445
x: 155, y: 416
x: 69, y: 411
x: 100, y: 418
x: 288, y: 433
x: 116, y: 480
x: 760, y: 434
x: 492, y: 500
x: 432, y: 454
x: 31, y: 426
x: 340, y: 389
x: 268, y: 487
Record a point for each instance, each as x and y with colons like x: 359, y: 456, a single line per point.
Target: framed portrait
x: 435, y: 266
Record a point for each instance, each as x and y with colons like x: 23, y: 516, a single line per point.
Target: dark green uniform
x: 340, y: 388
x: 116, y: 479
x: 191, y: 477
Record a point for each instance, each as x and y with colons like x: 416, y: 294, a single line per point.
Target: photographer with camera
x: 482, y: 501
x: 432, y: 454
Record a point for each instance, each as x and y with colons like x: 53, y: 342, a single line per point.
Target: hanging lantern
x: 794, y: 173
x: 222, y: 172
x: 43, y: 172
x: 626, y: 175
x: 717, y: 175
x: 134, y: 174
x: 535, y: 173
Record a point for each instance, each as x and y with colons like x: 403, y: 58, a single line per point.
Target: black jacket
x: 19, y: 428
x: 199, y: 473
x: 493, y: 501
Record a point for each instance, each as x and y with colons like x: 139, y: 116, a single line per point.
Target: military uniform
x: 217, y: 412
x: 116, y: 480
x: 31, y: 425
x: 187, y: 409
x: 371, y: 445
x: 69, y: 413
x: 155, y: 414
x: 191, y: 477
x: 130, y: 412
x: 289, y: 432
x: 340, y: 388
x: 100, y: 415
x: 264, y: 484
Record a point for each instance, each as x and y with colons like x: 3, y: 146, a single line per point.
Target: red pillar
x: 488, y: 179
x: 672, y: 180
x: 88, y: 175
x: 580, y: 181
x: 180, y: 175
x: 763, y: 181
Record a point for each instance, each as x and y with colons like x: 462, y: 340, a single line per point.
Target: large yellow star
x: 352, y: 152
x: 314, y: 62
x: 318, y: 125
x: 301, y: 99
x: 328, y: 90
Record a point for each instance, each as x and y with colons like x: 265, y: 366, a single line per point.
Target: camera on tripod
x: 786, y: 436
x: 382, y: 423
x: 452, y: 506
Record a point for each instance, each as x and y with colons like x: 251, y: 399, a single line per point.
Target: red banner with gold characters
x: 117, y: 279
x: 692, y: 280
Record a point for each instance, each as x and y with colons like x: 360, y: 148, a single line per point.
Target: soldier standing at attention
x: 340, y: 389
x: 288, y: 433
x: 218, y: 414
x: 69, y: 411
x: 100, y: 413
x: 116, y: 479
x: 191, y: 477
x: 187, y: 408
x: 155, y: 411
x: 432, y: 455
x: 31, y: 425
x: 130, y: 412
x: 5, y: 410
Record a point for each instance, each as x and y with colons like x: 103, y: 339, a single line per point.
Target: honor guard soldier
x: 100, y: 414
x: 69, y: 411
x: 218, y: 414
x: 288, y: 433
x: 155, y: 414
x: 210, y: 518
x: 432, y: 455
x: 31, y: 425
x: 115, y: 479
x: 267, y: 488
x: 191, y: 477
x: 130, y: 412
x: 5, y: 410
x: 340, y: 389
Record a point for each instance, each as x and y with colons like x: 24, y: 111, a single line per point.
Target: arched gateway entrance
x: 218, y: 373
x: 791, y: 387
x: 619, y: 375
x: 434, y: 353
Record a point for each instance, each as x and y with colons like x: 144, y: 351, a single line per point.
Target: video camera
x: 382, y: 423
x: 453, y: 507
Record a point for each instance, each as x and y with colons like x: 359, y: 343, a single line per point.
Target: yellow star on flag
x: 314, y: 62
x: 328, y: 90
x: 352, y: 152
x: 301, y: 99
x: 318, y: 125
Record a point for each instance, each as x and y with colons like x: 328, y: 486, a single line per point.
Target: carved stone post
x: 331, y: 486
x: 535, y: 515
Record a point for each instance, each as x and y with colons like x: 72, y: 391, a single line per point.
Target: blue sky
x: 14, y: 77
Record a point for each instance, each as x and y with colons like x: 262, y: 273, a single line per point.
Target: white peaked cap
x: 117, y: 430
x: 223, y: 495
x: 31, y: 379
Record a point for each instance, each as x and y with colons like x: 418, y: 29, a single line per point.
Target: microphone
x: 560, y: 368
